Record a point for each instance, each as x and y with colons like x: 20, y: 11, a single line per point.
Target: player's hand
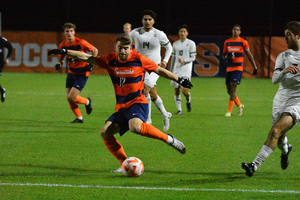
x: 228, y: 60
x: 58, y: 51
x: 254, y: 72
x: 185, y: 82
x: 57, y: 66
x: 293, y: 69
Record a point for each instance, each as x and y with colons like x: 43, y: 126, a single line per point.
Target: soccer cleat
x: 189, y: 106
x: 241, y: 110
x: 117, y: 170
x: 167, y: 121
x: 179, y: 112
x: 285, y: 158
x: 77, y: 121
x: 228, y: 114
x: 179, y: 146
x: 249, y: 168
x: 3, y: 94
x: 89, y: 107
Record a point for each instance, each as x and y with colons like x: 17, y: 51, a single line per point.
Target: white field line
x: 152, y: 188
x: 63, y: 94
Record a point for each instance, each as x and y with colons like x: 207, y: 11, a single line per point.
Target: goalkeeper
x: 127, y: 71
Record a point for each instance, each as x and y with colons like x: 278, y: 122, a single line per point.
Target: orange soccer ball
x: 132, y: 167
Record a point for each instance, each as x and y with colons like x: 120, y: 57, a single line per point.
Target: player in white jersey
x: 183, y: 55
x: 148, y: 41
x: 286, y: 103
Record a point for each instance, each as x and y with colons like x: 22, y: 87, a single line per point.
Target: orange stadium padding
x: 31, y: 47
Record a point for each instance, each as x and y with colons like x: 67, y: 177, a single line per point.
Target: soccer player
x: 78, y: 72
x: 127, y: 71
x: 286, y: 103
x: 4, y: 43
x: 233, y: 54
x: 183, y: 55
x: 127, y: 30
x: 148, y: 41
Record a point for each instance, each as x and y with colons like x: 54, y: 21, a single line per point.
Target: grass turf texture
x: 60, y: 160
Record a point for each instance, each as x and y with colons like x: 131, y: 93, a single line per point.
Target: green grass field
x: 44, y: 156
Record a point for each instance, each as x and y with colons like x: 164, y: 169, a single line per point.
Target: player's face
x: 236, y: 31
x: 122, y: 50
x: 127, y: 30
x: 147, y: 22
x: 69, y: 34
x: 183, y: 33
x: 291, y: 40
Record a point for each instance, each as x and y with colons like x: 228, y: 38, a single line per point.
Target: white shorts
x: 150, y: 79
x: 291, y: 107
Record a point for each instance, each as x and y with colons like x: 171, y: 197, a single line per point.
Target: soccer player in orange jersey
x: 233, y: 54
x: 127, y: 71
x: 78, y: 72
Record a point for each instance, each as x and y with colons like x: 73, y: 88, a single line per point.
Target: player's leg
x: 177, y: 97
x: 231, y: 87
x: 74, y: 108
x: 2, y: 91
x: 187, y: 94
x: 278, y: 130
x: 148, y: 97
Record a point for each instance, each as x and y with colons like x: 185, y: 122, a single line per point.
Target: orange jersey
x: 127, y: 77
x: 77, y: 45
x: 133, y: 46
x: 235, y: 49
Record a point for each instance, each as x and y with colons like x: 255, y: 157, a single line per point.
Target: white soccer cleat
x: 119, y: 170
x: 167, y: 121
x: 241, y: 110
x: 179, y: 146
x: 228, y: 114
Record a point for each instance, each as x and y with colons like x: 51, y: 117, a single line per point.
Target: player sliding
x: 127, y: 71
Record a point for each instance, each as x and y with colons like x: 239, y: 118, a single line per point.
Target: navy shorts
x: 76, y: 81
x: 122, y: 117
x: 234, y: 76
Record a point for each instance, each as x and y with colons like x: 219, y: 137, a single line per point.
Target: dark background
x: 209, y: 17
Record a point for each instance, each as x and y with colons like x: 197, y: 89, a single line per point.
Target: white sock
x: 88, y: 102
x: 170, y: 140
x: 148, y: 97
x: 188, y: 99
x: 284, y: 147
x: 177, y: 99
x: 80, y: 117
x: 262, y: 156
x: 160, y: 106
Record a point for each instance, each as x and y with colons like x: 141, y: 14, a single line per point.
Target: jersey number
x: 146, y: 44
x: 180, y: 52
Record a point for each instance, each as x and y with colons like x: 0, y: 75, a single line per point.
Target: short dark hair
x: 124, y: 39
x: 237, y: 25
x: 148, y: 12
x: 69, y: 25
x: 184, y: 26
x: 293, y: 26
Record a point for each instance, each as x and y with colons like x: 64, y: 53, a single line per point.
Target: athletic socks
x: 160, y: 106
x: 75, y: 109
x: 148, y: 97
x: 284, y: 146
x: 81, y: 100
x: 237, y: 101
x: 115, y: 148
x: 150, y: 131
x: 262, y: 156
x: 177, y: 99
x: 230, y: 106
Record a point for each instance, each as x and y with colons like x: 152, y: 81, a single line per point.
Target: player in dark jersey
x: 4, y: 43
x: 233, y: 54
x: 78, y: 72
x: 127, y: 71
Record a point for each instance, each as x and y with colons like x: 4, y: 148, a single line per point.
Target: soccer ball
x: 133, y: 167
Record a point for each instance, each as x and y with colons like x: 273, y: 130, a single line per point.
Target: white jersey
x: 187, y: 51
x: 149, y: 43
x: 287, y: 98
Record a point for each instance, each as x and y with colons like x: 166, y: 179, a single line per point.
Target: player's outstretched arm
x: 78, y: 55
x: 183, y: 81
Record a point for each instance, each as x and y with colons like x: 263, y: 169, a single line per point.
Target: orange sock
x: 237, y: 101
x: 230, y: 106
x: 75, y: 109
x: 81, y: 100
x: 115, y: 148
x: 150, y: 131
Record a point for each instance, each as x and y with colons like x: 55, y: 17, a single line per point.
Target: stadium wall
x: 30, y: 52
